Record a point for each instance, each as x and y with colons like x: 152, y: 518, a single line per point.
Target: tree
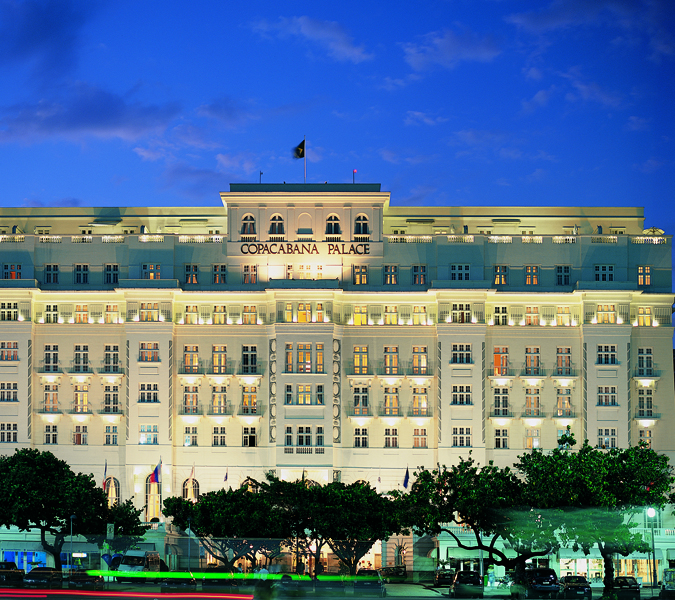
x: 41, y: 492
x: 128, y: 528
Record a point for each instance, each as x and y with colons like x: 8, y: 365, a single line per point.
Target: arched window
x: 153, y: 499
x: 333, y: 225
x: 248, y: 225
x: 277, y: 225
x: 361, y: 225
x: 191, y: 492
x: 112, y: 490
x: 251, y: 485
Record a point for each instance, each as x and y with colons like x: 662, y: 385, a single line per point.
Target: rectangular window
x: 11, y: 272
x: 111, y: 358
x: 461, y: 394
x: 645, y: 362
x: 319, y: 436
x: 250, y: 274
x: 82, y: 274
x: 81, y: 362
x: 190, y: 436
x: 112, y: 313
x: 191, y: 315
x: 361, y: 401
x: 461, y: 354
x: 461, y: 313
x: 304, y: 312
x: 219, y: 359
x: 390, y: 275
x: 607, y: 355
x: 604, y: 272
x: 249, y: 405
x: 419, y: 275
x: 289, y: 358
x: 607, y: 395
x: 111, y: 435
x: 391, y: 360
x: 501, y: 361
x: 391, y: 405
x: 531, y: 275
x: 501, y: 315
x: 360, y: 275
x: 149, y: 434
x: 249, y: 359
x: 419, y: 315
x: 191, y: 273
x: 149, y: 392
x: 289, y: 394
x: 645, y: 402
x: 304, y: 436
x: 461, y: 437
x: 532, y: 402
x: 9, y: 391
x: 319, y: 394
x: 151, y: 271
x: 219, y: 315
x: 51, y: 397
x: 563, y: 316
x: 501, y: 275
x: 219, y: 400
x: 644, y: 316
x: 288, y: 313
x: 459, y: 272
x: 9, y: 311
x: 532, y: 439
x: 360, y: 360
x: 304, y: 393
x: 390, y: 315
x: 111, y: 399
x: 112, y: 273
x: 219, y: 436
x: 319, y: 312
x: 81, y: 398
x: 419, y: 437
x: 606, y: 313
x: 644, y: 275
x: 562, y: 275
x: 219, y: 274
x: 289, y: 436
x: 9, y: 351
x: 149, y: 312
x: 51, y: 273
x: 149, y: 352
x: 563, y: 360
x: 304, y: 358
x: 420, y: 364
x: 361, y: 437
x: 248, y: 437
x: 51, y: 358
x: 191, y: 359
x: 501, y: 438
x: 51, y: 434
x: 501, y: 402
x: 532, y: 361
x: 319, y: 358
x: 607, y: 438
x: 646, y: 437
x: 80, y: 435
x: 361, y: 315
x: 250, y: 315
x: 420, y: 405
x: 190, y: 400
x: 531, y: 315
x: 390, y: 437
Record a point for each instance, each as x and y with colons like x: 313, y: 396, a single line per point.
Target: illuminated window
x: 391, y: 405
x: 304, y: 394
x: 646, y: 437
x: 81, y: 398
x: 153, y: 499
x: 149, y: 434
x: 391, y: 360
x: 250, y: 315
x: 531, y: 275
x: 219, y: 274
x: 251, y: 274
x: 644, y: 275
x: 563, y: 316
x: 607, y: 438
x: 532, y: 402
x: 191, y: 487
x: 249, y: 405
x: 390, y: 315
x: 219, y: 359
x: 149, y: 311
x: 532, y: 439
x: 190, y: 400
x: 420, y: 364
x: 501, y: 275
x: 304, y: 312
x: 606, y: 313
x: 360, y: 360
x: 420, y: 406
x: 9, y: 351
x: 644, y: 316
x: 419, y: 275
x: 319, y: 358
x: 419, y: 438
x: 532, y: 361
x: 501, y: 360
x: 191, y: 315
x: 190, y: 436
x: 219, y: 315
x: 151, y: 271
x: 563, y: 360
x: 419, y: 315
x: 149, y: 352
x: 304, y: 358
x: 288, y: 313
x: 360, y: 274
x: 361, y: 315
x: 51, y: 397
x: 219, y: 400
x: 390, y: 275
x: 361, y: 401
x: 112, y: 313
x: 191, y: 273
x: 531, y: 315
x: 319, y: 312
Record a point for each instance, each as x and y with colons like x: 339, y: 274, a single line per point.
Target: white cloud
x: 414, y: 117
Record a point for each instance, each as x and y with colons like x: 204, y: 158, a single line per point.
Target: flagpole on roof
x: 304, y: 139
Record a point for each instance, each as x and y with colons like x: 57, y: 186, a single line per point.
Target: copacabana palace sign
x: 303, y: 248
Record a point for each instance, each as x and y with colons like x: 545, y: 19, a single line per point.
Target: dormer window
x: 248, y: 225
x: 361, y: 225
x: 333, y: 225
x: 277, y: 225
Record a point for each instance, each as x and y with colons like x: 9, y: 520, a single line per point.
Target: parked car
x: 443, y: 577
x: 467, y: 584
x: 626, y: 588
x: 540, y: 583
x: 218, y: 577
x: 394, y: 574
x: 328, y: 585
x: 43, y: 577
x: 368, y: 581
x: 574, y: 586
x: 81, y: 580
x: 178, y: 581
x: 10, y: 575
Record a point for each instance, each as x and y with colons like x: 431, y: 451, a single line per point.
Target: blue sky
x: 461, y: 102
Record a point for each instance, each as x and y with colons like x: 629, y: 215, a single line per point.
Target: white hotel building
x: 314, y: 328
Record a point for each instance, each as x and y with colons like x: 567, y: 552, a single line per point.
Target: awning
x: 569, y: 553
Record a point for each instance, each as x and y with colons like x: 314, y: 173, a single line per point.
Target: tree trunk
x: 53, y: 549
x: 608, y: 563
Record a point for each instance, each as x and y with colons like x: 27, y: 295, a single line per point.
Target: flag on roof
x: 299, y: 150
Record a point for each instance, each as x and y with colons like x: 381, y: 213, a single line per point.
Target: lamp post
x: 651, y: 513
x: 72, y: 518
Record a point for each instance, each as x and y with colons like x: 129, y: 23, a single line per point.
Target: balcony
x: 533, y: 371
x: 80, y: 408
x: 389, y: 411
x: 646, y: 414
x: 190, y: 409
x: 220, y: 410
x: 256, y: 369
x: 333, y: 238
x: 80, y: 367
x: 500, y: 372
x: 49, y: 409
x: 353, y: 370
x: 389, y: 370
x: 359, y: 411
x: 420, y: 411
x: 277, y: 237
x: 564, y: 413
x: 248, y: 410
x: 420, y: 368
x: 249, y: 237
x: 49, y: 367
x: 113, y: 411
x: 107, y: 368
x: 533, y: 413
x: 149, y: 358
x: 220, y: 369
x: 500, y: 413
x: 565, y: 372
x: 648, y: 373
x: 189, y: 368
x: 362, y: 237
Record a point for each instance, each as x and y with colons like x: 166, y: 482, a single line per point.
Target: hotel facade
x: 315, y: 329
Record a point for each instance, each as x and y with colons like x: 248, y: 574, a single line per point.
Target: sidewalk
x: 418, y: 590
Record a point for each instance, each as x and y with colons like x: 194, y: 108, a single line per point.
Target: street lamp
x: 72, y: 518
x: 651, y: 513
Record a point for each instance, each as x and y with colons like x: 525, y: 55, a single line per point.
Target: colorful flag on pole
x: 105, y: 474
x: 227, y: 472
x: 299, y: 150
x: 156, y: 473
x: 406, y: 479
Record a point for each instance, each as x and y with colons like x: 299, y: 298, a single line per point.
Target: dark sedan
x: 467, y: 584
x: 178, y: 581
x: 368, y: 581
x: 626, y: 588
x: 574, y: 586
x: 81, y: 580
x: 43, y: 577
x: 443, y: 577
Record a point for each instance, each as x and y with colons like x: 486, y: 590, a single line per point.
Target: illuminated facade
x: 315, y: 329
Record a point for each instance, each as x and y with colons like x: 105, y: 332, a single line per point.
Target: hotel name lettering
x: 306, y: 248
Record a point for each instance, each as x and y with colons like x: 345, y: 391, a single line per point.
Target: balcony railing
x: 80, y: 408
x: 389, y: 370
x: 190, y: 368
x: 565, y: 372
x: 420, y: 411
x: 250, y: 409
x: 499, y: 371
x: 646, y: 413
x: 646, y: 373
x: 79, y: 367
x: 49, y: 409
x: 258, y: 368
x: 190, y: 409
x: 420, y: 369
x: 533, y: 371
x: 564, y: 413
x: 111, y: 410
x: 389, y: 411
x: 352, y: 369
x: 219, y: 369
x: 49, y: 367
x: 108, y: 368
x: 501, y: 413
x: 533, y: 413
x: 359, y: 411
x: 220, y: 410
x: 249, y: 237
